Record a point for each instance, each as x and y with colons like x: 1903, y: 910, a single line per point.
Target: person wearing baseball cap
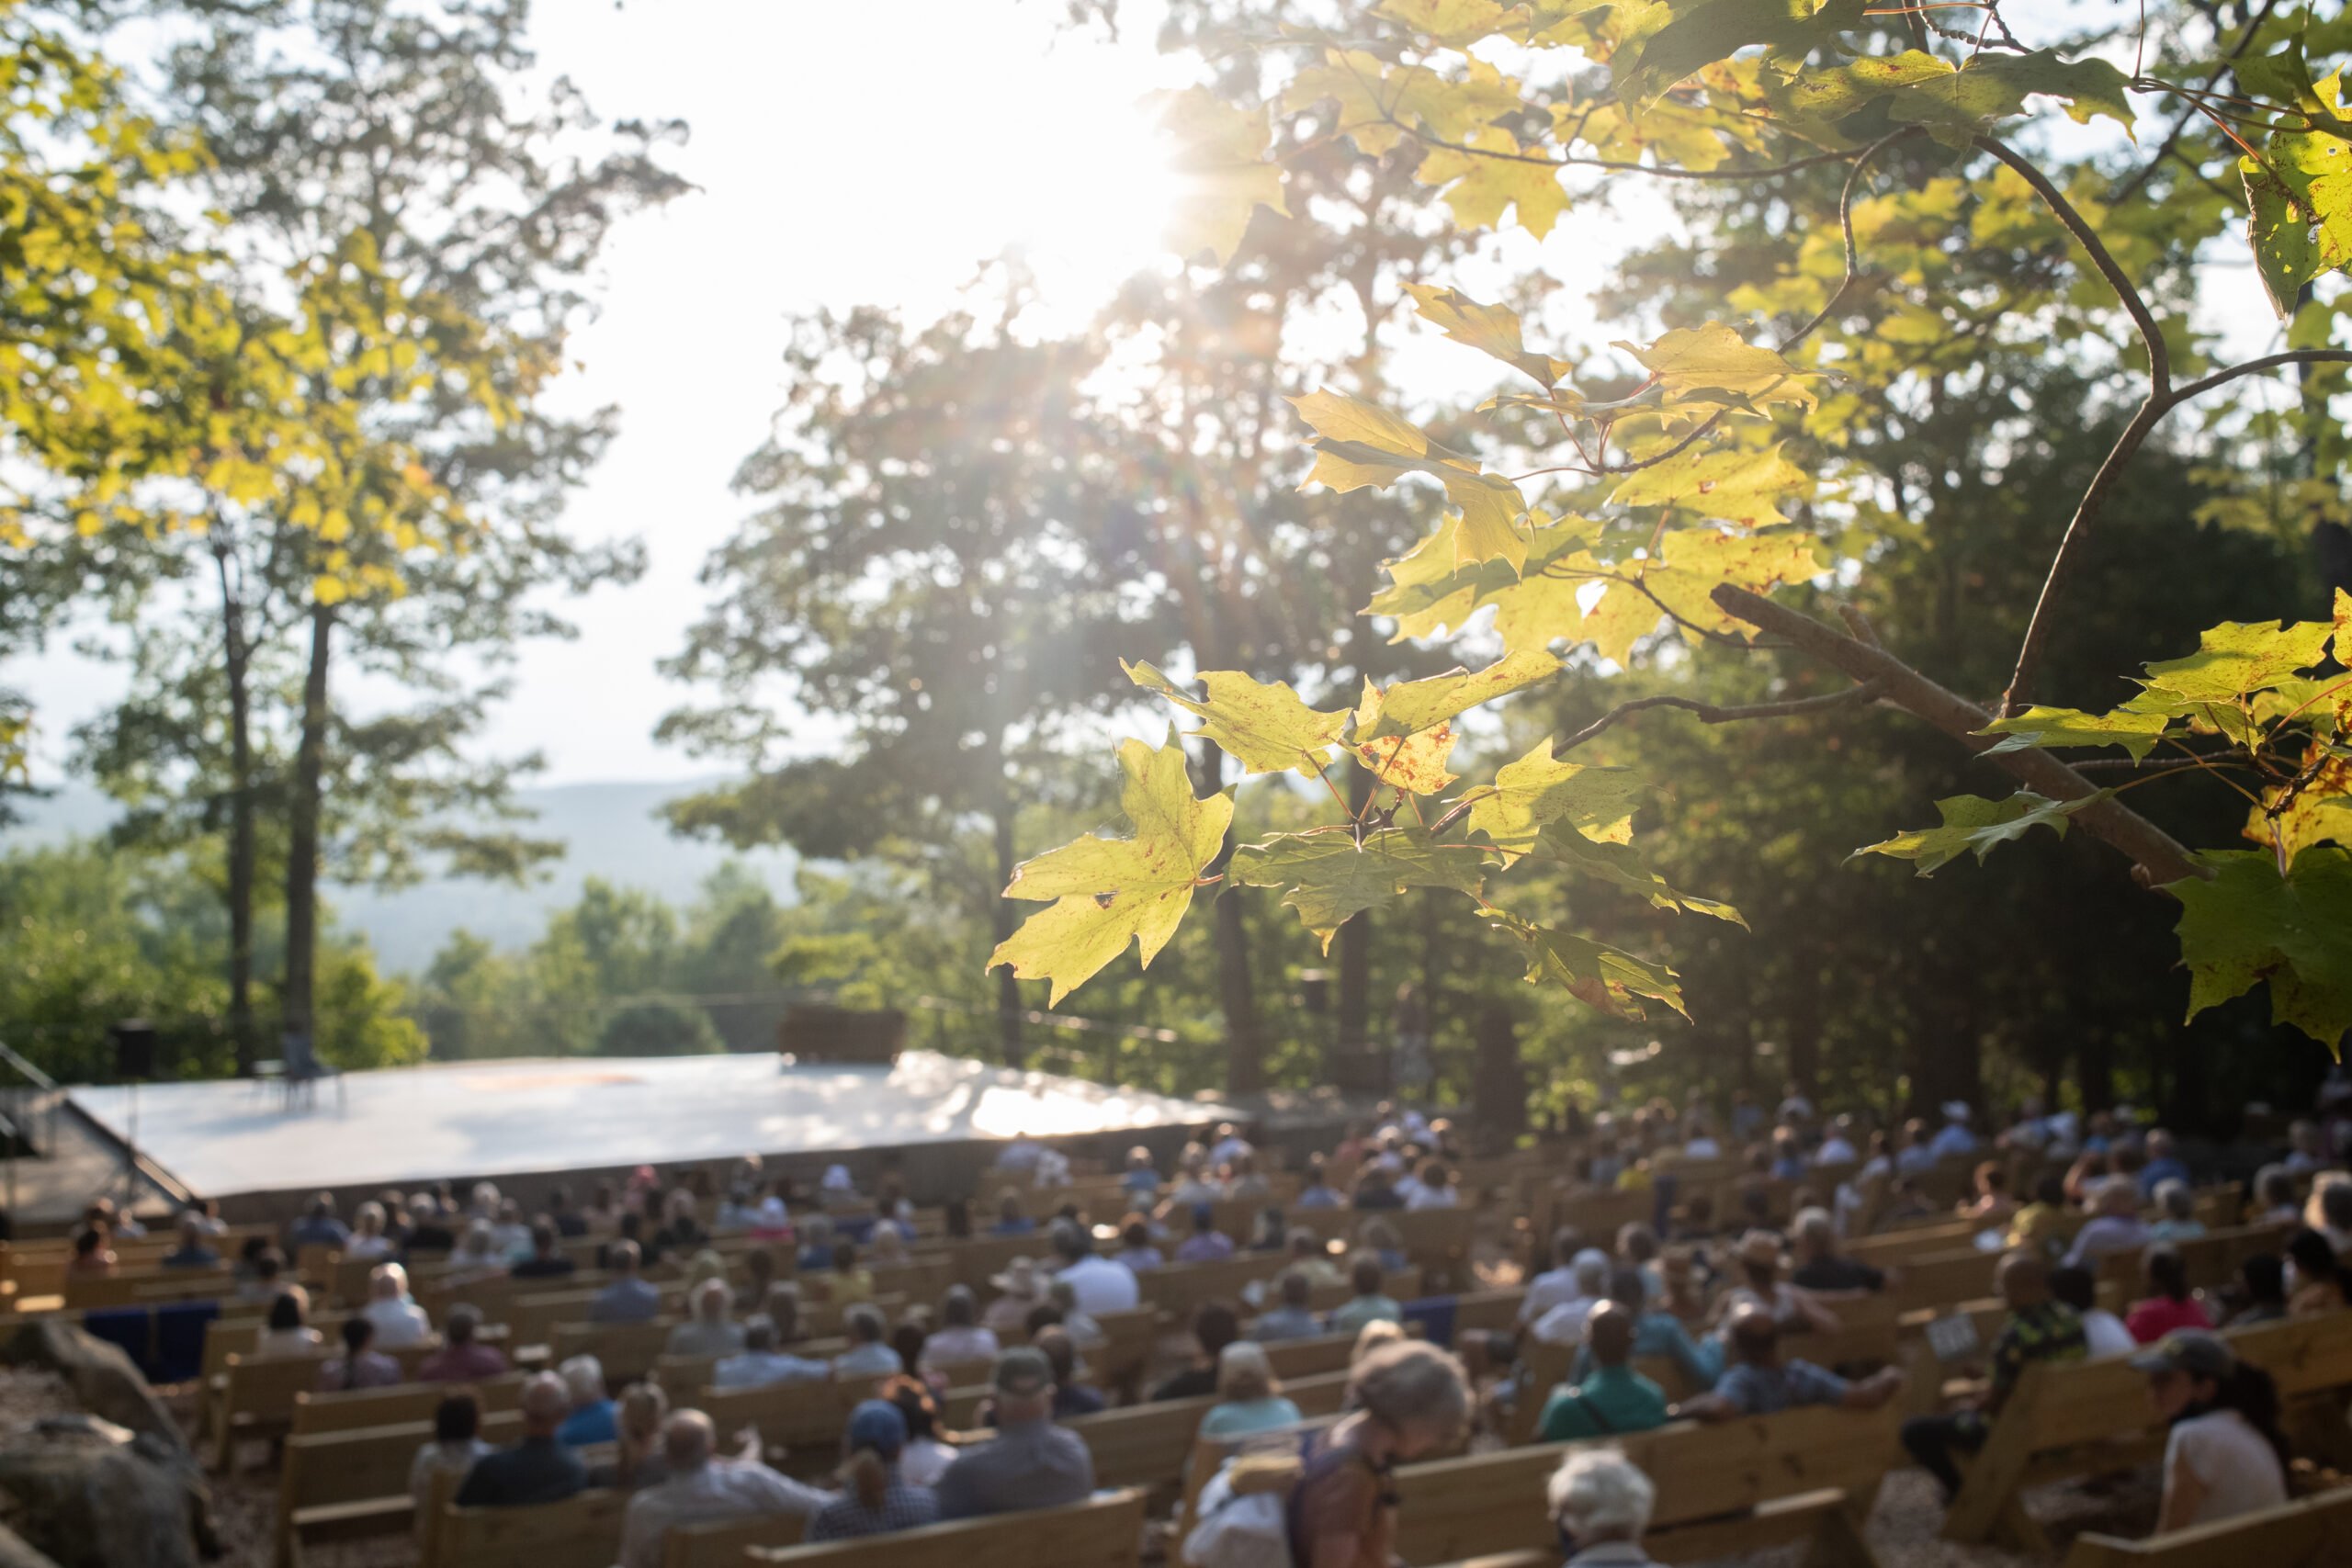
x: 1032, y: 1463
x: 873, y: 1499
x: 2225, y: 1456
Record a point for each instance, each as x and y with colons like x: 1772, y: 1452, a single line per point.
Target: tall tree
x: 434, y: 224
x: 950, y: 542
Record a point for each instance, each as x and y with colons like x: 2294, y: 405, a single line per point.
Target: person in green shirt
x: 1369, y: 1302
x: 1613, y: 1399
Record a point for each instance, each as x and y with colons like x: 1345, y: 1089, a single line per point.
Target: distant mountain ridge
x: 612, y: 830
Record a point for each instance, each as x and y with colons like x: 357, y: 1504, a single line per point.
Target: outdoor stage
x: 229, y: 1138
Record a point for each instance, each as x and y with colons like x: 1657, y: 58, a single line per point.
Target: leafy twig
x: 1711, y: 713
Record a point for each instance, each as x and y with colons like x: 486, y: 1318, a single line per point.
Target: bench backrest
x: 1146, y: 1445
x: 2314, y: 1533
x: 1494, y: 1503
x: 579, y: 1532
x: 721, y: 1543
x: 402, y: 1403
x: 352, y: 1466
x: 263, y: 1388
x: 1105, y: 1531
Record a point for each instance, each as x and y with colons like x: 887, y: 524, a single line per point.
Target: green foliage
x: 1974, y: 825
x: 659, y: 1029
x: 2253, y: 923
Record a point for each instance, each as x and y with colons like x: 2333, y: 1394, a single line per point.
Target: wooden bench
x: 258, y: 1394
x: 2314, y: 1533
x: 1105, y: 1531
x: 1146, y: 1445
x: 317, y: 1414
x: 2212, y: 1260
x: 1824, y: 1519
x: 2087, y: 1418
x: 1721, y: 1490
x: 721, y: 1543
x: 345, y: 1486
x: 579, y: 1532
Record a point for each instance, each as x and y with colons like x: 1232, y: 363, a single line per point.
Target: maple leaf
x: 2235, y: 659
x: 2135, y: 732
x: 1411, y: 706
x: 1379, y: 106
x: 1360, y: 443
x: 1972, y: 824
x: 1712, y: 363
x: 2247, y: 924
x: 1603, y: 978
x: 1621, y: 617
x: 1223, y: 171
x: 1493, y: 174
x: 1267, y: 729
x: 1538, y: 790
x: 1725, y: 483
x: 1107, y: 891
x: 1694, y: 562
x: 1491, y: 329
x: 1623, y: 866
x: 1329, y: 876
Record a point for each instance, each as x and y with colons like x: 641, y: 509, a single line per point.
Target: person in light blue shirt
x: 761, y: 1363
x: 2177, y: 1207
x: 1249, y: 1397
x: 1761, y: 1384
x: 1655, y: 1334
x: 1955, y: 1141
x: 1318, y: 1193
x: 1292, y: 1319
x: 869, y: 1354
x: 1141, y: 1182
x: 593, y: 1418
x: 2164, y: 1164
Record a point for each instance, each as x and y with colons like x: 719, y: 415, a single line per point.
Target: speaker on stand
x: 134, y: 1064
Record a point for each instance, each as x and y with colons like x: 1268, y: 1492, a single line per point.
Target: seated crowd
x: 1722, y: 1308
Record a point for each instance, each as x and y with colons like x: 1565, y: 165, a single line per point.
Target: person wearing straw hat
x: 2224, y: 1456
x: 1023, y: 1288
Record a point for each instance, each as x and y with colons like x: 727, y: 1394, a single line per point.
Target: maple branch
x: 2128, y: 293
x: 1709, y: 713
x: 2268, y: 362
x: 1663, y: 171
x: 2146, y: 170
x: 2158, y: 857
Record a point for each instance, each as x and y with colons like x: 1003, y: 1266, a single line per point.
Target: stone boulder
x: 105, y: 1381
x: 90, y: 1493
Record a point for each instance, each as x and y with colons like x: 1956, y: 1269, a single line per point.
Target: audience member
x: 876, y: 1497
x: 1557, y: 1284
x: 592, y: 1417
x: 2168, y: 1305
x: 1564, y: 1323
x: 318, y: 1226
x: 1031, y: 1463
x: 1099, y: 1284
x: 547, y: 1259
x: 2164, y: 1165
x: 1601, y: 1505
x: 2104, y: 1334
x: 359, y: 1365
x: 1761, y: 1384
x: 1023, y: 1289
x: 2114, y: 1224
x: 1370, y: 1300
x: 1215, y: 1325
x: 1250, y: 1397
x: 195, y: 1250
x: 1072, y: 1398
x: 927, y: 1456
x: 285, y: 1332
x: 454, y: 1446
x: 641, y: 1413
x: 2261, y: 1282
x: 958, y: 1338
x: 1206, y: 1244
x: 1610, y: 1399
x: 1291, y: 1319
x: 761, y: 1362
x: 869, y: 1354
x: 368, y: 1242
x: 2317, y: 1275
x: 2040, y: 1328
x: 703, y: 1488
x: 1406, y: 1402
x: 629, y: 1299
x: 1820, y: 1267
x: 400, y: 1323
x: 712, y: 1331
x: 462, y: 1357
x: 2225, y: 1455
x: 538, y: 1469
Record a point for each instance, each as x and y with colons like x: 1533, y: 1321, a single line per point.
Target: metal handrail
x: 19, y: 1124
x: 40, y: 1080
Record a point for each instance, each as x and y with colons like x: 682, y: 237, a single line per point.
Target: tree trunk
x: 236, y: 664
x: 302, y: 833
x: 1007, y: 918
x: 1354, y: 1002
x: 2094, y: 1072
x: 1499, y: 1082
x: 1245, y: 1043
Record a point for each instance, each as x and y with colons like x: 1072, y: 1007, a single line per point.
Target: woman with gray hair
x: 712, y: 1331
x: 1600, y: 1505
x: 1405, y: 1402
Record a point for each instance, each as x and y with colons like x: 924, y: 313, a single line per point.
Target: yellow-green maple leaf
x: 1223, y: 171
x: 1711, y: 363
x: 1496, y: 173
x: 1360, y: 443
x: 1491, y: 329
x: 1268, y: 728
x: 1727, y: 483
x: 1330, y: 876
x: 1108, y: 891
x: 1539, y: 789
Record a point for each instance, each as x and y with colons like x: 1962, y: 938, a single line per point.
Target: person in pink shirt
x: 461, y: 1358
x: 2169, y: 1306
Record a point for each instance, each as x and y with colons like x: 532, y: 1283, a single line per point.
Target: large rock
x: 105, y: 1381
x: 14, y: 1554
x: 90, y: 1493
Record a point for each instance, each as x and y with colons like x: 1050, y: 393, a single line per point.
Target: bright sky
x: 846, y: 155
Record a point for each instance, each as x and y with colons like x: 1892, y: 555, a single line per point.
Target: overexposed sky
x: 845, y: 155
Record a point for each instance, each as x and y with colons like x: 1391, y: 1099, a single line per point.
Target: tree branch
x: 1709, y: 713
x: 2146, y: 170
x: 2268, y: 362
x: 2159, y: 358
x: 2157, y: 855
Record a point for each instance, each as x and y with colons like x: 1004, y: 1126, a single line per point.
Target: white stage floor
x: 226, y: 1138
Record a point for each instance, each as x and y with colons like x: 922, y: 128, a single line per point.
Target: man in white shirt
x: 1564, y: 1325
x: 760, y: 1363
x: 400, y: 1322
x: 1837, y: 1148
x: 1955, y: 1139
x: 702, y: 1488
x: 1556, y: 1283
x: 1230, y: 1145
x: 1099, y: 1284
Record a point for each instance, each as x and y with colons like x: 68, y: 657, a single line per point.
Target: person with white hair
x: 593, y: 1417
x: 2176, y: 1214
x: 712, y: 1330
x: 2114, y: 1224
x: 1564, y: 1324
x: 2164, y: 1164
x: 705, y: 1487
x: 368, y: 1242
x: 400, y: 1322
x: 1601, y: 1505
x: 1557, y: 1284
